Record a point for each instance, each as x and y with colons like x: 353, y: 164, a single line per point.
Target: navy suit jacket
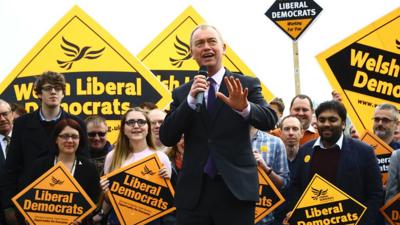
x: 358, y: 175
x: 2, y: 159
x: 224, y: 134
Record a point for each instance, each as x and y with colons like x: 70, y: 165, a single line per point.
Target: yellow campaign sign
x: 293, y: 16
x: 138, y: 194
x: 365, y: 69
x: 54, y: 198
x: 382, y: 150
x: 103, y: 78
x: 169, y: 58
x: 270, y: 197
x: 324, y: 203
x: 391, y: 210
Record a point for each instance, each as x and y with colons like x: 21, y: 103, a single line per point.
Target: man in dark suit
x: 31, y: 136
x: 6, y: 125
x: 218, y: 183
x: 345, y: 162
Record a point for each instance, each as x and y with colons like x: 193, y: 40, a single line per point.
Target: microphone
x: 199, y: 97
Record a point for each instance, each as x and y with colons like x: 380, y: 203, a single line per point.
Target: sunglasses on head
x: 93, y: 134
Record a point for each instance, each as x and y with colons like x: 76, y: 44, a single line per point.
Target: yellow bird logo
x: 183, y: 50
x: 146, y: 170
x: 318, y: 193
x: 55, y: 181
x: 76, y: 53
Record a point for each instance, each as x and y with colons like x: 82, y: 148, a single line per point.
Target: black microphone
x: 199, y: 97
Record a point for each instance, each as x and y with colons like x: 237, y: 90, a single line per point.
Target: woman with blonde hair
x: 134, y: 143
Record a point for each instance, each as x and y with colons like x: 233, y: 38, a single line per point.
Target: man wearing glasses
x: 6, y: 125
x: 30, y: 139
x: 96, y: 127
x: 385, y: 123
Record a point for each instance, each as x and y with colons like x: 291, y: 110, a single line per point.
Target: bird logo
x: 76, y: 53
x: 183, y: 50
x: 55, y: 181
x: 146, y: 170
x: 397, y: 44
x: 318, y: 193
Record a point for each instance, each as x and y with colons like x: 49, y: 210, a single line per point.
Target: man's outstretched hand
x: 237, y: 98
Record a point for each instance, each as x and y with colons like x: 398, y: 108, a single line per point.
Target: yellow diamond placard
x: 365, y: 68
x: 324, y: 203
x: 168, y: 55
x: 137, y: 192
x: 54, y: 198
x: 103, y: 78
x: 270, y: 197
x: 382, y: 151
x: 391, y: 210
x: 293, y: 16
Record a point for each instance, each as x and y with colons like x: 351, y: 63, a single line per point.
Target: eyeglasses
x: 383, y: 119
x: 155, y: 122
x: 51, y: 87
x: 93, y: 134
x: 66, y: 137
x: 5, y: 114
x: 139, y: 122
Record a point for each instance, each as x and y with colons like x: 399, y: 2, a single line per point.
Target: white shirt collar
x: 311, y: 129
x: 53, y: 119
x: 339, y: 143
x: 218, y: 76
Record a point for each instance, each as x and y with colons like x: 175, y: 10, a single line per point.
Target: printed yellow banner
x: 293, y: 16
x: 169, y: 58
x: 391, y: 210
x: 138, y: 194
x: 54, y: 198
x: 382, y: 150
x: 103, y: 78
x: 324, y: 203
x: 364, y: 68
x: 270, y: 197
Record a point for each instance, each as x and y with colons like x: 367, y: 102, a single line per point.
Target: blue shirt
x: 273, y: 152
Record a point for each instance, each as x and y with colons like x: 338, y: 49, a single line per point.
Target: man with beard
x: 385, y: 123
x: 345, y: 162
x: 97, y: 138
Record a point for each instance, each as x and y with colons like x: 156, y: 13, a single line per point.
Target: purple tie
x: 210, y: 168
x: 211, y: 99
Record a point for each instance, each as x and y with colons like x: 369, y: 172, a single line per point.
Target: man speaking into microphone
x: 218, y: 184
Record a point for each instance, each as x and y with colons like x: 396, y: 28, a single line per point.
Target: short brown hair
x: 279, y: 103
x: 49, y: 77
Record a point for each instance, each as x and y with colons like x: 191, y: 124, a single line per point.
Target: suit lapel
x: 343, y: 162
x: 2, y: 158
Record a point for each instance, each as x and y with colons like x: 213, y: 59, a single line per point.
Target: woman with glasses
x: 134, y: 143
x: 68, y: 141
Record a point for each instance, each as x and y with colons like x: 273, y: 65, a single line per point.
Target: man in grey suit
x: 218, y: 183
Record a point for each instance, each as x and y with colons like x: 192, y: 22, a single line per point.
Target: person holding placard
x: 68, y: 141
x: 347, y: 163
x: 134, y: 143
